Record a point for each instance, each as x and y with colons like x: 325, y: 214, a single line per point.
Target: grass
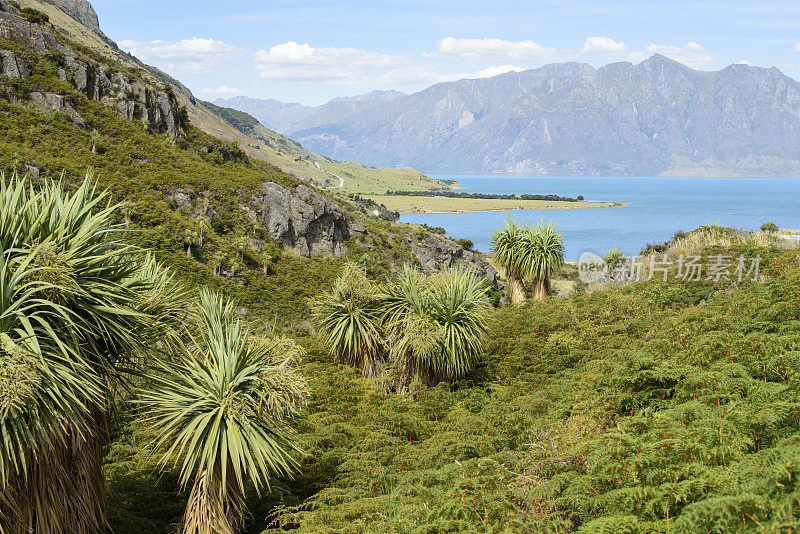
x: 339, y: 177
x: 376, y: 180
x: 411, y: 204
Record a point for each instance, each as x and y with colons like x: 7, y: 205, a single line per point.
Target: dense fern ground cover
x: 646, y: 407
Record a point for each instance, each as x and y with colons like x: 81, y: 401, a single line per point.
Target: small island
x: 452, y: 202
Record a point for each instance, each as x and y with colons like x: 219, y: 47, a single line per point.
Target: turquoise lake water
x: 655, y: 208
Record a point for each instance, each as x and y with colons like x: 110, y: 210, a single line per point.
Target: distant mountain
x: 273, y: 114
x: 657, y: 117
x: 285, y: 118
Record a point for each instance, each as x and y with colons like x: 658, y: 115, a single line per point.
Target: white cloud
x: 416, y: 75
x: 187, y: 56
x: 691, y: 55
x: 744, y: 62
x: 222, y: 90
x: 797, y: 48
x: 302, y: 63
x: 594, y: 45
x: 496, y: 71
x: 494, y: 49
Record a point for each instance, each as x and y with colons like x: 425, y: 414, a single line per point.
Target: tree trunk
x: 62, y: 491
x: 188, y: 251
x: 213, y: 508
x: 516, y: 290
x: 540, y: 288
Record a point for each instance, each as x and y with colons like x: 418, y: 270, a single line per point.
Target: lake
x: 656, y: 207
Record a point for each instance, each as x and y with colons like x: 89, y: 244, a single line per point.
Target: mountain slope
x: 73, y: 17
x: 285, y: 118
x: 339, y: 177
x: 217, y: 216
x: 657, y: 117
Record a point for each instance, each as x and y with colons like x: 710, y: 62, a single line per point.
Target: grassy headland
x: 440, y: 204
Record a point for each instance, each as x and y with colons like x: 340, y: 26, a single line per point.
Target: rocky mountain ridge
x: 27, y: 45
x: 289, y: 117
x: 658, y: 117
x: 82, y: 11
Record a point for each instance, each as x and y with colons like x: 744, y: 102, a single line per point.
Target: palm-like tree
x: 221, y: 412
x: 508, y: 258
x: 203, y: 224
x: 68, y: 319
x: 95, y: 135
x: 348, y: 316
x: 234, y: 264
x: 190, y: 237
x: 542, y: 255
x: 126, y: 208
x: 440, y: 324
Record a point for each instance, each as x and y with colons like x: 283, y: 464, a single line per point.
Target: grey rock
x: 12, y: 67
x: 32, y: 171
x: 435, y: 253
x: 302, y: 219
x: 53, y: 103
x: 181, y: 199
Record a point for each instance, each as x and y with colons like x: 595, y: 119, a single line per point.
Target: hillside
x: 218, y: 216
x: 654, y: 406
x: 339, y: 177
x: 74, y: 17
x: 658, y: 117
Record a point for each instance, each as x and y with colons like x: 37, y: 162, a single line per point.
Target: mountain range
x: 658, y: 117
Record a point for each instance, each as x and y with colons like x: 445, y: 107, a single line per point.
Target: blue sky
x: 311, y: 51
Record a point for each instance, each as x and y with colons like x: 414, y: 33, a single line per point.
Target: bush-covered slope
x: 207, y: 209
x: 645, y: 407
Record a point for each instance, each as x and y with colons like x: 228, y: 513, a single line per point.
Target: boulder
x: 53, y: 103
x: 302, y: 219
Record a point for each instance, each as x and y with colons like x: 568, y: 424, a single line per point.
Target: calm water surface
x: 655, y: 208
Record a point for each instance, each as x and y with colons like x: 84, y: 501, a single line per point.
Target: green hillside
x: 633, y: 407
x: 339, y: 177
x: 645, y: 407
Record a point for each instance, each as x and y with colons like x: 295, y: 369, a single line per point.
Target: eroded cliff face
x: 80, y: 10
x: 24, y: 44
x: 302, y: 219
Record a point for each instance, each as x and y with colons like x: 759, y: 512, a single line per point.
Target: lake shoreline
x: 655, y: 208
x: 443, y: 205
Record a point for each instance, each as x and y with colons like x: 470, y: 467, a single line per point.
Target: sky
x: 312, y: 51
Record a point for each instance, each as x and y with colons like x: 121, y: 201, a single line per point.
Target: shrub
x: 769, y: 227
x: 34, y: 16
x: 466, y: 244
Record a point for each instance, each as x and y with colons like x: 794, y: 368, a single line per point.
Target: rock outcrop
x: 80, y: 10
x: 131, y: 97
x: 435, y: 253
x: 302, y: 219
x: 53, y: 103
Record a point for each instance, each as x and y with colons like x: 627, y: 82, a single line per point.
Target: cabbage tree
x: 221, y: 412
